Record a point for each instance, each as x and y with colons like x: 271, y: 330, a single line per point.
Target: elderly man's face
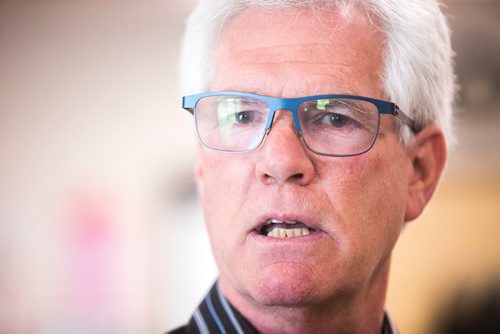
x: 354, y: 207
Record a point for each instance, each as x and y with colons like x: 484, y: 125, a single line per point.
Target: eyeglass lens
x: 334, y: 126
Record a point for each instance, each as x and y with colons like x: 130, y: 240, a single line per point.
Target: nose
x: 284, y: 158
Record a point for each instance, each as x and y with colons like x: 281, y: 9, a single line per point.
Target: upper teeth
x: 288, y: 232
x: 277, y: 221
x: 284, y: 232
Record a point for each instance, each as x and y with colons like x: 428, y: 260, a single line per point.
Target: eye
x: 333, y: 115
x: 245, y: 117
x: 337, y: 120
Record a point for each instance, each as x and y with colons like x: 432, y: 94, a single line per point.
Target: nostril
x: 296, y: 177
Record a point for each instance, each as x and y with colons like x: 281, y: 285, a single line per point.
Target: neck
x: 358, y: 312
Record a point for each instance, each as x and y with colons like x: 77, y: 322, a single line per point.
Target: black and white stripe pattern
x: 215, y: 315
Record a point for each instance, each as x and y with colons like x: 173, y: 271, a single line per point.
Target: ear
x: 428, y: 155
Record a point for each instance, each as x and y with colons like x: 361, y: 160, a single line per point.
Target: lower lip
x: 313, y: 236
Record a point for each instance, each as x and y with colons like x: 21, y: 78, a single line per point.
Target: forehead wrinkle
x: 336, y: 60
x: 312, y: 85
x: 336, y: 31
x: 308, y: 78
x: 288, y: 62
x: 308, y: 68
x: 305, y: 71
x: 293, y: 53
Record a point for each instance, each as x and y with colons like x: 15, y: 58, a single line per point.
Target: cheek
x: 375, y: 179
x: 223, y: 182
x: 383, y: 193
x: 224, y: 178
x: 350, y: 181
x: 369, y: 194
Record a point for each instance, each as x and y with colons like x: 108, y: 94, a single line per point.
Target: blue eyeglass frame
x: 189, y: 103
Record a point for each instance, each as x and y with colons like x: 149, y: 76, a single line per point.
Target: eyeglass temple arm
x: 188, y: 104
x: 405, y: 119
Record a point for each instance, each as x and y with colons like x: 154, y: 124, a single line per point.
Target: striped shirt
x: 216, y: 315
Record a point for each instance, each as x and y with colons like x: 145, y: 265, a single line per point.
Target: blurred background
x: 100, y: 228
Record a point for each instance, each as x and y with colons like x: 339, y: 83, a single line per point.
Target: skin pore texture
x: 334, y: 279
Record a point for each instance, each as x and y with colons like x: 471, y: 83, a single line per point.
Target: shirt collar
x: 216, y: 315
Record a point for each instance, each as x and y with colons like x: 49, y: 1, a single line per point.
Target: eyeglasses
x: 331, y: 125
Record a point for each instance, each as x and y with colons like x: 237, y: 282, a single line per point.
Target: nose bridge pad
x: 296, y: 126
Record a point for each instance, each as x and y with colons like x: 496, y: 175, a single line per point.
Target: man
x: 322, y: 127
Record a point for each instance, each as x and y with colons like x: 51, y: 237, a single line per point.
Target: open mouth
x: 276, y: 228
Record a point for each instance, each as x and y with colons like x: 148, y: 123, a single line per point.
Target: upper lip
x: 263, y: 219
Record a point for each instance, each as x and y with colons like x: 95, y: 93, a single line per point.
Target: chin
x: 290, y: 286
x: 285, y: 298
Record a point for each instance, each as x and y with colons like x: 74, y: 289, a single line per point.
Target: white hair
x: 418, y: 59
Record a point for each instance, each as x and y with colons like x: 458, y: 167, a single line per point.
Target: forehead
x: 260, y: 44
